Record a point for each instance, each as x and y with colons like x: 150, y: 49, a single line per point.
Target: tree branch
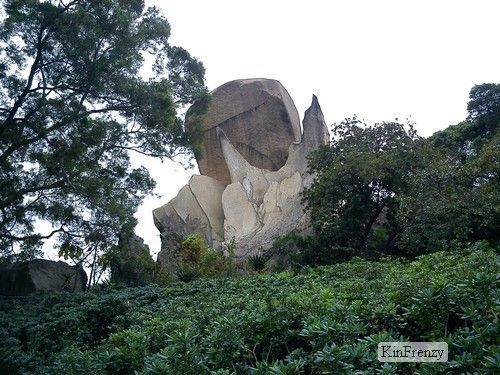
x: 33, y: 236
x: 34, y: 67
x: 20, y: 193
x: 16, y: 146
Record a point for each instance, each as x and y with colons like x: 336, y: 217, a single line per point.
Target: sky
x: 379, y: 60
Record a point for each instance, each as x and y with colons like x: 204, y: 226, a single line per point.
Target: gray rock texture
x: 274, y: 195
x: 259, y: 118
x: 196, y: 208
x: 21, y: 279
x: 243, y: 196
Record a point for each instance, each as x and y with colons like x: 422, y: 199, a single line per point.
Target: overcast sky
x: 380, y: 60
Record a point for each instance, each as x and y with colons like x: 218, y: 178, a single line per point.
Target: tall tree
x: 357, y: 178
x: 456, y: 197
x: 382, y: 188
x: 450, y: 200
x: 468, y: 137
x: 73, y: 106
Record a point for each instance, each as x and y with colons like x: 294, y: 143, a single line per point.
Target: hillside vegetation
x: 326, y: 320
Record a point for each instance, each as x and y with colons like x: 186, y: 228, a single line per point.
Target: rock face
x: 245, y: 196
x: 274, y: 196
x: 196, y: 208
x: 259, y: 118
x: 22, y: 279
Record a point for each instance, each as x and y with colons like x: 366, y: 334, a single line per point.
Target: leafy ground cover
x: 326, y: 320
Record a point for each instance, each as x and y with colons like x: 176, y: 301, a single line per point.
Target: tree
x: 383, y: 189
x: 352, y: 199
x: 468, y: 137
x: 450, y: 200
x: 73, y: 106
x: 484, y: 104
x: 456, y: 197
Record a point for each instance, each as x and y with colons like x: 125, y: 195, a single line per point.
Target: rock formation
x: 259, y: 118
x: 254, y: 167
x: 20, y: 279
x: 196, y: 208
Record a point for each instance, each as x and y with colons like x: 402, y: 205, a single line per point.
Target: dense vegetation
x: 74, y: 104
x: 381, y: 189
x: 326, y: 320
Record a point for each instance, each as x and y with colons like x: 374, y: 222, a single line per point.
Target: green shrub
x: 293, y: 251
x: 135, y: 270
x: 197, y: 259
x: 193, y: 247
x: 131, y: 262
x: 320, y: 320
x: 186, y: 273
x: 258, y: 262
x: 128, y: 352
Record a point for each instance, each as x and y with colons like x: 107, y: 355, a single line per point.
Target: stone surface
x: 172, y: 230
x: 25, y: 278
x: 252, y: 179
x: 208, y: 193
x: 258, y: 117
x: 275, y: 195
x: 196, y: 208
x: 315, y: 135
x: 251, y: 202
x: 241, y: 218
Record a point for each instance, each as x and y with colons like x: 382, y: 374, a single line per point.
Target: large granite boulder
x: 259, y: 118
x: 274, y: 196
x: 20, y: 279
x: 243, y: 199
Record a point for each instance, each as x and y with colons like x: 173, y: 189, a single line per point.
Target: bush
x: 323, y: 320
x: 131, y: 262
x: 197, y: 259
x: 293, y: 251
x: 258, y: 262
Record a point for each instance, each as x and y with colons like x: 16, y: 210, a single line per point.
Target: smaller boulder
x: 21, y: 279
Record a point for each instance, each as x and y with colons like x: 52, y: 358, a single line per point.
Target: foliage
x: 258, y: 262
x: 73, y: 105
x: 323, y: 320
x: 451, y: 200
x: 131, y: 262
x: 484, y: 108
x: 467, y: 138
x: 135, y: 270
x: 457, y: 195
x: 382, y: 190
x: 293, y: 251
x: 357, y: 179
x: 196, y: 259
x: 229, y: 251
